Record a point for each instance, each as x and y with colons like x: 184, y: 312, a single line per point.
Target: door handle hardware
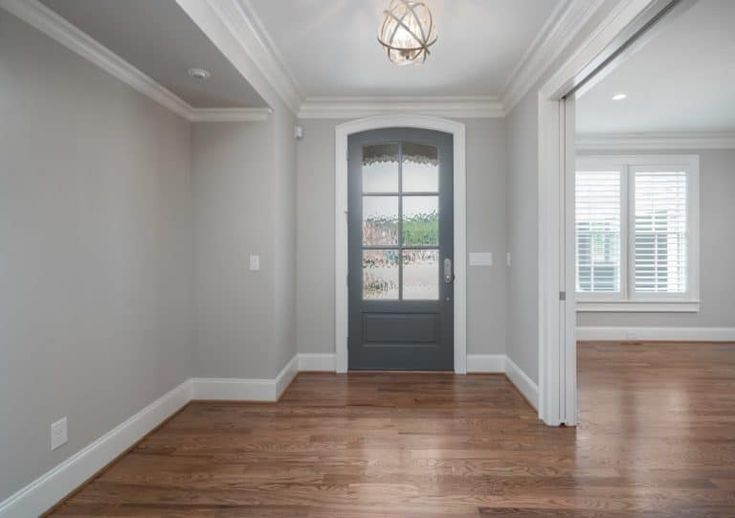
x: 448, y: 272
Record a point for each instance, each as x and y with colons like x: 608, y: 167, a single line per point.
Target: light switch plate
x: 58, y: 433
x: 254, y: 263
x: 508, y: 260
x: 481, y: 259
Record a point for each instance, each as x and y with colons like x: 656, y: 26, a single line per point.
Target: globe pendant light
x: 407, y: 32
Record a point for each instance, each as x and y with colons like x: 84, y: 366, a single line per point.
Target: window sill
x: 684, y: 306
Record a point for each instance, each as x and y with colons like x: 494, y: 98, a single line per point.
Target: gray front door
x: 401, y: 302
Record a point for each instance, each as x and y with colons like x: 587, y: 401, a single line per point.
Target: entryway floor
x: 656, y: 438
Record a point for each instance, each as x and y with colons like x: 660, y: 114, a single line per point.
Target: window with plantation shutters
x: 598, y: 224
x: 660, y: 232
x: 637, y: 225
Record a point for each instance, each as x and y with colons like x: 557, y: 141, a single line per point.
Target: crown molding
x: 255, y: 39
x: 480, y: 107
x: 565, y: 22
x: 229, y: 114
x: 648, y: 141
x: 245, y: 29
x: 57, y: 28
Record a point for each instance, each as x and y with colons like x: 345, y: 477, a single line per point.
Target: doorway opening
x: 621, y: 35
x: 655, y: 151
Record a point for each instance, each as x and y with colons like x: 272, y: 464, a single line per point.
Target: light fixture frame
x: 424, y: 39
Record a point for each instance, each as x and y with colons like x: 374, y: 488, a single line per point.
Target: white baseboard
x: 49, y: 489
x: 523, y: 383
x: 233, y: 389
x: 244, y: 389
x: 317, y: 362
x: 487, y: 363
x: 286, y: 376
x: 52, y: 487
x: 44, y: 492
x: 682, y: 334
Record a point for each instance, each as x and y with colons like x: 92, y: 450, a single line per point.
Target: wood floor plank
x: 656, y: 438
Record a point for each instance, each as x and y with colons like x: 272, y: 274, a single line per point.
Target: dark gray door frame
x: 407, y: 332
x: 342, y: 132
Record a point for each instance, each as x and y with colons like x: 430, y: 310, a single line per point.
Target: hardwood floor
x: 656, y: 438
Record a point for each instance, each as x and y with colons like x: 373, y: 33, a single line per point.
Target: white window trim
x: 626, y: 301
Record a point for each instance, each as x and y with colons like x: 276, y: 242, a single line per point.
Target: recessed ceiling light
x: 199, y: 73
x: 619, y: 97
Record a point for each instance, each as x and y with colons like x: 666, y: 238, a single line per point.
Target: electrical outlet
x: 254, y: 263
x: 58, y: 433
x: 508, y: 260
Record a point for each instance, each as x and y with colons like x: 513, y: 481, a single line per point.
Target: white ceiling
x: 331, y: 50
x: 682, y: 80
x: 159, y: 39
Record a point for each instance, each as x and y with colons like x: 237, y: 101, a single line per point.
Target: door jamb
x: 342, y: 132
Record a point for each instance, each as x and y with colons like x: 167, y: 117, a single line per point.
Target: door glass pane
x: 421, y: 274
x: 420, y: 220
x: 379, y: 220
x: 380, y: 274
x: 380, y: 168
x: 420, y: 168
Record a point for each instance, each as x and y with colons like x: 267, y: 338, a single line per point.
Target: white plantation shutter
x: 598, y: 230
x: 637, y: 233
x: 660, y: 232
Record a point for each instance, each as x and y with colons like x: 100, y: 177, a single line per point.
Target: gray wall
x: 285, y: 237
x: 95, y: 248
x: 244, y: 178
x: 233, y: 219
x: 486, y: 177
x: 717, y: 249
x: 522, y: 222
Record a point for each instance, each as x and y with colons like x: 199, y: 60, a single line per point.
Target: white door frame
x: 342, y: 132
x: 557, y: 312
